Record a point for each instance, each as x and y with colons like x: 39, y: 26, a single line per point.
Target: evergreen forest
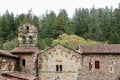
x: 87, y: 26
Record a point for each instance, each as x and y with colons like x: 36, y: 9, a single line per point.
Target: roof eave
x: 103, y: 53
x: 30, y: 52
x: 13, y: 56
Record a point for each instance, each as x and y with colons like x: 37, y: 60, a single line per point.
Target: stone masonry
x: 7, y: 64
x: 50, y: 60
x: 109, y: 67
x: 88, y: 62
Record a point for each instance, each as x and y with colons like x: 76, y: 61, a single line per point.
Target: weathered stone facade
x: 49, y: 63
x: 27, y: 50
x: 30, y: 63
x: 108, y: 70
x: 7, y: 63
x: 89, y: 62
x: 27, y: 35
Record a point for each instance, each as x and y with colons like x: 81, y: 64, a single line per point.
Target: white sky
x: 40, y: 6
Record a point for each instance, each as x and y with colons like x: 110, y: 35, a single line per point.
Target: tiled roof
x: 20, y: 75
x: 25, y: 50
x: 60, y: 46
x: 7, y: 53
x: 3, y: 78
x: 100, y: 48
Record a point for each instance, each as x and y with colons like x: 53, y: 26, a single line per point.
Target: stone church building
x: 88, y: 62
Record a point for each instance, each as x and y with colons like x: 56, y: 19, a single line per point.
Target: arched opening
x: 57, y: 68
x: 24, y: 39
x: 23, y: 62
x: 27, y: 29
x: 60, y: 67
x: 31, y: 39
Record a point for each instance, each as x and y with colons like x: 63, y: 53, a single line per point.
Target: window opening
x: 23, y: 62
x: 57, y: 68
x: 31, y: 39
x: 60, y: 67
x: 24, y: 39
x: 27, y: 29
x: 97, y: 64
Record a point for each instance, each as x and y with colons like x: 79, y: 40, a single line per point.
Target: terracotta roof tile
x: 100, y: 48
x: 58, y: 46
x: 25, y: 50
x: 3, y: 78
x: 20, y: 75
x: 7, y: 53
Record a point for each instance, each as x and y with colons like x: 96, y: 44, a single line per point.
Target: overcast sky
x: 40, y: 6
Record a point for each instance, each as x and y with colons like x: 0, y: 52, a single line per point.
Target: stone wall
x: 7, y: 64
x: 30, y: 62
x: 68, y: 59
x: 109, y: 68
x: 27, y: 35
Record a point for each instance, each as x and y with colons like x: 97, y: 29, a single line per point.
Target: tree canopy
x: 72, y: 41
x: 86, y: 26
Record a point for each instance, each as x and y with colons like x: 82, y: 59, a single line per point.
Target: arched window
x: 27, y: 29
x: 57, y: 68
x: 23, y: 62
x: 60, y: 67
x: 31, y: 39
x: 24, y: 39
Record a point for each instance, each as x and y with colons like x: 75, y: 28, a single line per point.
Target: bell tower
x: 27, y: 35
x: 27, y: 49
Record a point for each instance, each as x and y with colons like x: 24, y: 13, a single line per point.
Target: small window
x: 24, y: 39
x: 31, y: 39
x: 27, y: 29
x: 23, y: 62
x: 97, y: 64
x: 57, y: 68
x: 60, y: 67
